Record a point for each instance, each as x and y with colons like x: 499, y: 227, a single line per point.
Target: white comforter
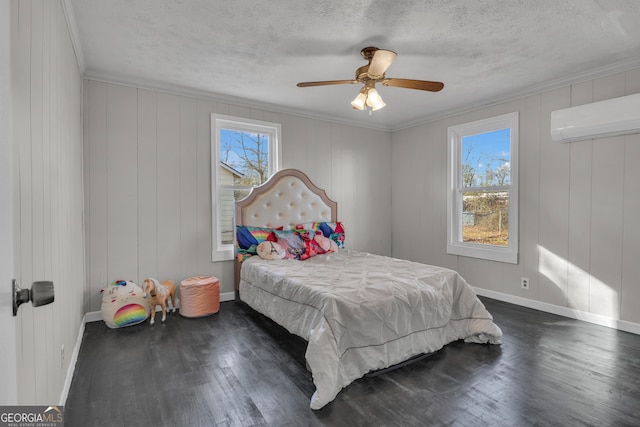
x: 361, y: 312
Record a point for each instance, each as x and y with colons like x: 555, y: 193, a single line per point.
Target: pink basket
x: 199, y: 296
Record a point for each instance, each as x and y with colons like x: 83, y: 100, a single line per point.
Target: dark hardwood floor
x: 235, y: 368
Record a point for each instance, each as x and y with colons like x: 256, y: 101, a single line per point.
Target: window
x: 482, y: 220
x: 244, y: 154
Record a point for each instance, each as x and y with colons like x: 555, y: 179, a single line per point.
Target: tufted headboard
x: 286, y: 199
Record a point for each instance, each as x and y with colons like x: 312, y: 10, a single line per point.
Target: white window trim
x: 220, y: 251
x: 455, y: 245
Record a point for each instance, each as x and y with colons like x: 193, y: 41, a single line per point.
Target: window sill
x: 489, y: 253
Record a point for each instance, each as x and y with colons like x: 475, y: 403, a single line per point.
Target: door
x: 8, y: 390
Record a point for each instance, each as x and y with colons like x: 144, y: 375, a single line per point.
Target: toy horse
x: 160, y: 294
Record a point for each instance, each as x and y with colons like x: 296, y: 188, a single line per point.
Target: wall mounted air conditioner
x: 618, y: 116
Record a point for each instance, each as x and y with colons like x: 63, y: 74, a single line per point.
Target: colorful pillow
x: 291, y: 243
x: 332, y: 230
x: 240, y: 257
x: 248, y: 238
x: 313, y: 244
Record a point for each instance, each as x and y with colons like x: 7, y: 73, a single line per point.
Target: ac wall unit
x: 618, y: 116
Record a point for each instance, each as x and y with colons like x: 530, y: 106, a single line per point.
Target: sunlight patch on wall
x: 553, y: 268
x: 603, y: 300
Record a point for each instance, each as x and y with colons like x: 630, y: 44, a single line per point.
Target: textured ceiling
x: 483, y: 50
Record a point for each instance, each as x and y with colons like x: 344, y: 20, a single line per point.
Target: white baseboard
x: 227, y: 296
x: 72, y: 364
x: 572, y: 313
x: 95, y: 316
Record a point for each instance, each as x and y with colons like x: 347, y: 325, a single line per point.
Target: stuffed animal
x: 160, y: 294
x: 123, y: 304
x: 270, y: 250
x: 325, y: 243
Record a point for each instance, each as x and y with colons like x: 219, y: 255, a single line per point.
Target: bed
x: 359, y: 312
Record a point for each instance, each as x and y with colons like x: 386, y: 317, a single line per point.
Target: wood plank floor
x: 235, y: 368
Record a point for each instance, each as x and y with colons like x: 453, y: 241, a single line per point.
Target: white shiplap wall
x: 579, y: 208
x: 148, y: 188
x: 48, y: 203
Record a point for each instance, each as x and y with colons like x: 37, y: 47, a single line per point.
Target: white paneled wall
x: 148, y: 187
x: 48, y: 204
x: 579, y: 207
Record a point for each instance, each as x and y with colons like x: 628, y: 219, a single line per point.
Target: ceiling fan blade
x: 414, y: 84
x: 327, y: 83
x: 381, y: 60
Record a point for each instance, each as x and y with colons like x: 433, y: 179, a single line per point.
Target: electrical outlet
x: 524, y: 283
x: 62, y: 357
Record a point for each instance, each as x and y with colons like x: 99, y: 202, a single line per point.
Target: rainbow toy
x: 129, y: 314
x: 123, y: 304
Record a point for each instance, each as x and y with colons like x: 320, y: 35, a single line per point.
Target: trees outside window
x: 245, y: 153
x: 483, y: 192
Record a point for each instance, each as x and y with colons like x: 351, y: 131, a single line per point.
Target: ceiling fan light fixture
x: 374, y: 100
x: 368, y: 97
x: 378, y: 105
x: 360, y: 100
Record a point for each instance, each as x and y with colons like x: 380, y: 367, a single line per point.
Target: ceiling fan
x: 372, y: 73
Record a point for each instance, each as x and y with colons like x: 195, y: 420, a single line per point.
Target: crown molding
x: 70, y: 17
x: 600, y: 72
x: 226, y: 99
